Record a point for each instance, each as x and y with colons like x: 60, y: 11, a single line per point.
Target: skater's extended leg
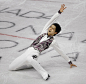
x: 20, y: 62
x: 38, y: 67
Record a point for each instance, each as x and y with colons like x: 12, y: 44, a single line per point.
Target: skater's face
x: 52, y: 30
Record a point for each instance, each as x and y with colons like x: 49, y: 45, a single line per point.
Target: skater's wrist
x: 59, y: 12
x: 70, y: 62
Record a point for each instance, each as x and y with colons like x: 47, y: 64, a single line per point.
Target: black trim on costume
x: 34, y: 56
x: 0, y: 57
x: 70, y: 62
x: 59, y: 12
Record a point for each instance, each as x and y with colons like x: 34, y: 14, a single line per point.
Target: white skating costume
x: 29, y: 58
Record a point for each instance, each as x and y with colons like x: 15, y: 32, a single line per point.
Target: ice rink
x: 21, y: 21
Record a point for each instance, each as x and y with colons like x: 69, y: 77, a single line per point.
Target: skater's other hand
x: 72, y: 65
x: 62, y: 7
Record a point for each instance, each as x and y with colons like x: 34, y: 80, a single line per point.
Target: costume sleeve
x: 54, y: 17
x: 58, y: 49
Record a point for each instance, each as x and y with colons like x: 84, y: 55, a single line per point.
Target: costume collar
x: 49, y: 36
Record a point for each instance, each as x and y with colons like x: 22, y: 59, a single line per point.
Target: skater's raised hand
x: 72, y: 65
x: 62, y: 7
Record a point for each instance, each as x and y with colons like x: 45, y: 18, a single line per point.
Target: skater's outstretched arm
x: 48, y: 24
x: 54, y: 17
x: 58, y: 49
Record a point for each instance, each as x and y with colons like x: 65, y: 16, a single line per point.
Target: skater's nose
x: 50, y: 28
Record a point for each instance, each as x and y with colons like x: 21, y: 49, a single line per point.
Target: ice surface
x: 21, y: 21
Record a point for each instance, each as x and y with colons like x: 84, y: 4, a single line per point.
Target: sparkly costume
x: 41, y: 46
x: 43, y: 42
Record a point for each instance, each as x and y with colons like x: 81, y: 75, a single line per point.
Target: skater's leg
x: 38, y: 67
x: 20, y: 62
x: 24, y: 66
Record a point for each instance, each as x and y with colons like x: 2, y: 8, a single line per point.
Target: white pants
x: 26, y: 60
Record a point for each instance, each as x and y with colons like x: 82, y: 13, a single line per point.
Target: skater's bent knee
x: 29, y: 59
x: 11, y: 68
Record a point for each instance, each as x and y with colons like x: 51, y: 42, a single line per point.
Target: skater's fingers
x: 72, y: 65
x: 63, y: 4
x: 75, y: 65
x: 65, y: 7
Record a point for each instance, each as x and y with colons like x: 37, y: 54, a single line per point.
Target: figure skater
x: 43, y: 42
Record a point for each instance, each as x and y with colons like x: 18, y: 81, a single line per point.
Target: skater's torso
x: 42, y: 42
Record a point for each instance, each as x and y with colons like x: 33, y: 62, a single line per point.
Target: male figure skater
x: 43, y: 42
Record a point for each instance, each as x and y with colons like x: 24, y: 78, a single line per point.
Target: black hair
x: 58, y: 28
